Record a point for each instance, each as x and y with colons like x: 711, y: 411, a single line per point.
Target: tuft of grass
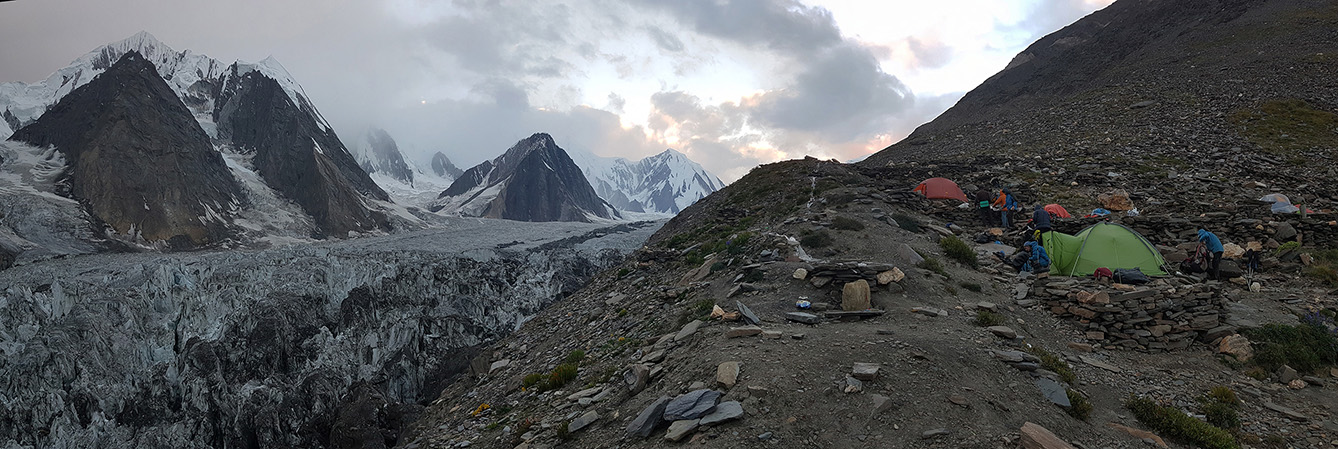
x: 531, y: 380
x: 1286, y: 247
x: 561, y: 375
x: 1306, y: 347
x: 1079, y: 407
x: 1287, y: 126
x: 986, y: 318
x: 1220, y: 406
x: 623, y: 272
x: 933, y: 265
x: 906, y: 222
x: 1054, y: 363
x: 973, y: 286
x: 1175, y: 424
x: 575, y: 357
x: 816, y: 239
x: 847, y: 224
x: 958, y: 250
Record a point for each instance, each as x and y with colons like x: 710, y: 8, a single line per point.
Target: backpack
x: 1132, y: 276
x: 1197, y: 262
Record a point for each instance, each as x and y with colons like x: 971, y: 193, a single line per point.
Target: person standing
x: 1215, y: 248
x: 1006, y: 204
x: 983, y: 206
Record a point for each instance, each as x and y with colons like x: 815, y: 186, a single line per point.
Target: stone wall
x: 1167, y: 314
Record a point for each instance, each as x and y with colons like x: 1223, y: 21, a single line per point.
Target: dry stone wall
x: 1166, y: 315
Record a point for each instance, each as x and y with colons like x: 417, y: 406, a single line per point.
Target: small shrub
x: 1223, y: 394
x: 1325, y: 273
x: 950, y: 289
x: 958, y: 250
x: 575, y: 357
x: 531, y: 380
x: 623, y: 271
x: 933, y: 265
x: 847, y: 224
x: 1306, y: 347
x: 1221, y: 415
x: 975, y: 287
x: 906, y: 222
x: 1175, y: 424
x: 564, y: 373
x: 753, y: 276
x: 1053, y: 363
x: 1079, y: 407
x: 987, y: 318
x: 702, y: 308
x: 1286, y: 247
x: 562, y: 433
x: 816, y: 239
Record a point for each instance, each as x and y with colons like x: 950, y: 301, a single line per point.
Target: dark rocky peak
x: 296, y: 156
x: 535, y: 180
x: 137, y: 159
x: 443, y: 167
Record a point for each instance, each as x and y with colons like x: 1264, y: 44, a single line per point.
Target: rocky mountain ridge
x: 664, y: 183
x: 535, y: 180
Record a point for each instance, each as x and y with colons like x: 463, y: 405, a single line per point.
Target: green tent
x: 1103, y: 244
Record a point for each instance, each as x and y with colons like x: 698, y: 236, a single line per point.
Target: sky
x: 730, y: 83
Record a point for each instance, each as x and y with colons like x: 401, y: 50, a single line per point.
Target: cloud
x: 786, y: 26
x: 843, y: 95
x: 664, y: 40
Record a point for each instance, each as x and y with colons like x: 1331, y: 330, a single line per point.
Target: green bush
x: 816, y: 239
x: 575, y: 357
x: 1305, y: 347
x: 1079, y: 407
x: 1223, y: 394
x: 986, y: 318
x: 564, y: 373
x: 1221, y: 415
x: 532, y: 380
x: 906, y: 222
x: 1287, y: 247
x: 958, y: 250
x: 847, y: 224
x: 1175, y: 424
x: 973, y: 286
x: 1053, y: 363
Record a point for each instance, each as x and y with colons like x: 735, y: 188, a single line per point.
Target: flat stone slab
x: 688, y: 330
x: 1289, y: 413
x: 853, y: 313
x: 725, y: 411
x: 1053, y: 391
x: 803, y: 317
x: 649, y: 419
x: 748, y: 316
x: 583, y: 421
x: 1004, y: 332
x: 930, y: 311
x: 745, y: 331
x: 691, y: 405
x: 865, y: 371
x: 1099, y: 364
x: 681, y: 428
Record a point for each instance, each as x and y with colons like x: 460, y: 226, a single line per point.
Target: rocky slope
x: 325, y: 345
x: 534, y: 180
x: 378, y: 153
x: 137, y: 160
x: 664, y: 183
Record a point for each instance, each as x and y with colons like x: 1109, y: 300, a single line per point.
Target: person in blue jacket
x: 1214, y: 246
x: 1039, y: 260
x: 1040, y: 219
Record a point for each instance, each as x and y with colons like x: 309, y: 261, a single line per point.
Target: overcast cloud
x: 730, y: 83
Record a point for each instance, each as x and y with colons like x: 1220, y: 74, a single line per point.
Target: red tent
x: 940, y: 188
x: 1057, y: 211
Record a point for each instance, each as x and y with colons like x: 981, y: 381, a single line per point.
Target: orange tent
x: 1057, y: 211
x: 940, y: 188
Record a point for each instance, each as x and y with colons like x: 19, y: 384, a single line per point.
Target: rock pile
x: 1167, y: 315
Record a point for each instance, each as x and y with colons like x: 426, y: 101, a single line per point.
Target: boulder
x: 890, y: 276
x: 649, y: 419
x: 1285, y: 232
x: 856, y: 296
x: 1004, y: 332
x: 1232, y: 251
x: 1236, y: 346
x: 1116, y: 200
x: 583, y: 421
x: 636, y: 377
x: 727, y: 374
x: 687, y: 330
x: 1139, y: 434
x: 748, y: 316
x: 1036, y: 437
x: 800, y: 273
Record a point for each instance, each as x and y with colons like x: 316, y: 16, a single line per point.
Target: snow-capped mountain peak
x: 194, y: 78
x: 664, y: 183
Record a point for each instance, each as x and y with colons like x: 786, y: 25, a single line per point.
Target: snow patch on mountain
x: 665, y: 183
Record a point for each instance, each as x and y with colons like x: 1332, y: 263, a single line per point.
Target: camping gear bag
x: 1131, y: 276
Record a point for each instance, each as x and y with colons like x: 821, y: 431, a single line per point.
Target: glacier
x: 277, y: 347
